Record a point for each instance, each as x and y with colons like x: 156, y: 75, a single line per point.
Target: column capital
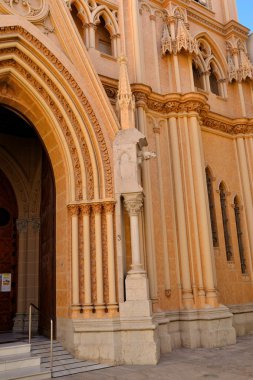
x: 97, y: 208
x: 73, y: 209
x: 133, y: 203
x: 85, y: 209
x: 22, y: 225
x: 109, y: 207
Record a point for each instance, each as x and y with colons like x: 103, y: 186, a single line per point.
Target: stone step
x: 64, y: 363
x: 26, y: 373
x: 8, y: 349
x: 18, y: 361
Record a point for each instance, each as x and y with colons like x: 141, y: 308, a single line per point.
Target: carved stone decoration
x: 133, y: 203
x: 33, y: 10
x: 239, y: 66
x: 83, y: 100
x: 176, y: 35
x: 22, y: 225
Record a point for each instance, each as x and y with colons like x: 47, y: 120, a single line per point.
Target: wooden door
x: 47, y: 248
x: 8, y: 251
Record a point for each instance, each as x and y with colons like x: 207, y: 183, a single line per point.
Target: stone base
x: 111, y: 340
x: 242, y: 318
x: 205, y: 328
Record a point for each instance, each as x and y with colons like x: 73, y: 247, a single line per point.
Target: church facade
x: 126, y: 172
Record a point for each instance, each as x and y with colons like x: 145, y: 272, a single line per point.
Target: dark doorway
x: 15, y: 126
x: 8, y: 254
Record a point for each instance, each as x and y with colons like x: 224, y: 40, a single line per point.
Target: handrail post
x: 51, y: 345
x: 30, y: 323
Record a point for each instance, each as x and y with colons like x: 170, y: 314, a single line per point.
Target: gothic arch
x: 215, y: 51
x: 111, y: 24
x: 62, y: 115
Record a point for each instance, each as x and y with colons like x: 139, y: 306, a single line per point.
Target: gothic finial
x: 125, y: 99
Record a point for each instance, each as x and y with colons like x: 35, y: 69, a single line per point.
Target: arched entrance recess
x: 8, y: 253
x: 32, y: 265
x: 35, y: 83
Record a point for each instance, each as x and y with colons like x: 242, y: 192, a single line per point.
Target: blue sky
x: 245, y: 12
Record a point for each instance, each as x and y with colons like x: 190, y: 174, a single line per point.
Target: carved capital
x: 35, y: 222
x: 97, y: 208
x: 22, y: 225
x: 109, y: 207
x: 73, y: 209
x: 85, y: 209
x: 133, y: 203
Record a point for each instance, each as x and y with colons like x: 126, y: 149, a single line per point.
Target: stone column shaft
x: 163, y: 216
x: 193, y: 200
x: 202, y: 215
x: 246, y: 187
x: 97, y: 208
x: 133, y: 203
x: 148, y: 214
x: 187, y: 296
x: 109, y: 209
x: 85, y: 209
x: 75, y: 253
x: 22, y: 227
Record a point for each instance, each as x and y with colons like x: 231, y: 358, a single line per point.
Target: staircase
x: 63, y: 362
x: 20, y: 360
x: 17, y: 362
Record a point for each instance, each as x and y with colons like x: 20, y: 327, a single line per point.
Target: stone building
x: 126, y: 151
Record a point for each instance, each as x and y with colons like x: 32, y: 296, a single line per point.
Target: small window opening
x: 103, y: 38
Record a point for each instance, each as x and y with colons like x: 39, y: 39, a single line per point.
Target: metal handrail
x: 51, y: 332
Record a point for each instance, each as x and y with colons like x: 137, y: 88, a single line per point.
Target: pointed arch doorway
x: 26, y: 162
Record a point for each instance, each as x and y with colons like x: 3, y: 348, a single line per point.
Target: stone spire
x: 125, y: 99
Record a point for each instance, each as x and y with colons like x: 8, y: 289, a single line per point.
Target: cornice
x: 232, y: 127
x: 179, y: 103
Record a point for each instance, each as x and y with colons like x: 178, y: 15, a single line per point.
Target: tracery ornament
x: 176, y: 35
x: 239, y: 66
x: 35, y: 11
x: 82, y: 98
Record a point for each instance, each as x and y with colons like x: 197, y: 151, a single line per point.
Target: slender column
x: 242, y: 100
x: 22, y: 227
x: 134, y: 6
x: 148, y: 212
x: 177, y: 73
x: 155, y: 54
x: 97, y: 208
x: 203, y: 219
x: 92, y: 29
x: 109, y: 210
x: 191, y: 73
x: 133, y: 203
x: 85, y: 210
x: 249, y: 145
x: 246, y: 187
x: 193, y: 199
x: 187, y: 296
x: 74, y: 210
x: 163, y: 216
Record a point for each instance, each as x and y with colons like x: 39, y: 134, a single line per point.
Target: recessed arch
x: 88, y: 157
